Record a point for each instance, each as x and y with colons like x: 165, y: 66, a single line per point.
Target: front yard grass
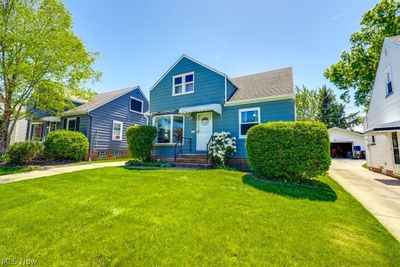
x: 4, y: 170
x: 115, y: 216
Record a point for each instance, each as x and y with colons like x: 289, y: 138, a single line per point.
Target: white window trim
x: 112, y: 131
x: 68, y: 120
x: 183, y: 84
x: 240, y: 118
x: 171, y: 129
x: 130, y: 102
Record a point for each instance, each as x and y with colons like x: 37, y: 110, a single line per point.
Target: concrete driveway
x: 378, y: 193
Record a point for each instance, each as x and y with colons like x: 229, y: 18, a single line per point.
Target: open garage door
x: 342, y: 150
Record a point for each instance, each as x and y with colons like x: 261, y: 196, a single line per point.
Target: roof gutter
x: 261, y: 99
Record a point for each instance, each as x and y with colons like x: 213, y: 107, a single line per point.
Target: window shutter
x: 65, y: 124
x: 78, y: 120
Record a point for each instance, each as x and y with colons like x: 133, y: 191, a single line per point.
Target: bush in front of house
x: 23, y: 153
x: 222, y: 146
x: 289, y: 150
x: 140, y: 141
x: 64, y: 144
x: 138, y: 162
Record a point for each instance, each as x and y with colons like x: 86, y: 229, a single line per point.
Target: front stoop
x: 197, y: 161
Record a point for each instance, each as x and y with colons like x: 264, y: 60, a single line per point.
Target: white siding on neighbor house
x: 20, y: 130
x: 343, y: 136
x: 380, y: 154
x: 384, y: 109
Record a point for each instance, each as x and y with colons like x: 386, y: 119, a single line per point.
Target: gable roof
x: 269, y: 84
x: 99, y: 100
x: 394, y: 39
x: 195, y: 61
x: 346, y: 131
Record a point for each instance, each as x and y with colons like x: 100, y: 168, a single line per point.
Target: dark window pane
x: 136, y: 105
x: 395, y: 141
x: 178, y: 129
x: 390, y: 88
x: 72, y: 125
x: 189, y: 78
x: 178, y: 80
x: 245, y: 127
x: 163, y: 125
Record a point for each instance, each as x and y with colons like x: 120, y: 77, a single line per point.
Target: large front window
x: 169, y: 129
x: 248, y: 118
x: 183, y: 84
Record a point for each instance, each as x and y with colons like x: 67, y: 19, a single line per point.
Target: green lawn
x: 4, y: 170
x: 115, y: 216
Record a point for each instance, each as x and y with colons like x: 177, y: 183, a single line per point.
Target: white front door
x: 204, y: 130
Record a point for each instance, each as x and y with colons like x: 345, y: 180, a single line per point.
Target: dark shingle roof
x: 99, y: 100
x: 265, y: 84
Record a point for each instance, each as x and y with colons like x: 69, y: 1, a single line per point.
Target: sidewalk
x: 378, y: 193
x: 56, y: 170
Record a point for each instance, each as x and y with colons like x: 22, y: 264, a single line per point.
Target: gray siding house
x: 103, y: 120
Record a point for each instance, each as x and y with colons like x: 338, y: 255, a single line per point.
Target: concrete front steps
x: 197, y: 161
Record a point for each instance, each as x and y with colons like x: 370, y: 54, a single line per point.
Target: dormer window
x: 183, y: 84
x: 389, y: 84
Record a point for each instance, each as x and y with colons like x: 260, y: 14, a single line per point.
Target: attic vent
x: 386, y: 52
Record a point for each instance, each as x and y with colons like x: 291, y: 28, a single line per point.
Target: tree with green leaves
x: 42, y: 62
x: 357, y: 68
x: 307, y: 104
x: 322, y: 105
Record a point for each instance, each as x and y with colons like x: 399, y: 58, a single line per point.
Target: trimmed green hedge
x: 23, y: 153
x: 140, y: 141
x: 64, y: 144
x: 289, y: 150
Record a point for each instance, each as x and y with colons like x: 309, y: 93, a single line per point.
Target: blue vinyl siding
x: 230, y: 89
x: 83, y: 123
x: 102, y: 121
x: 209, y: 87
x: 280, y: 110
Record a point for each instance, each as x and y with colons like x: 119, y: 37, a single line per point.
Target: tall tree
x: 323, y: 105
x: 42, y: 62
x: 356, y: 69
x: 307, y: 104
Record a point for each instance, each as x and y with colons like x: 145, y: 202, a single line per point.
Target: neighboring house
x: 103, y: 120
x: 382, y: 122
x: 345, y: 143
x: 191, y: 101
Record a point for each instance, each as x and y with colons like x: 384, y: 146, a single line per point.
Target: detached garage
x: 345, y: 143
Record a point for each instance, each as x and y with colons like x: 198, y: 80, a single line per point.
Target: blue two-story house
x: 191, y: 101
x: 103, y: 120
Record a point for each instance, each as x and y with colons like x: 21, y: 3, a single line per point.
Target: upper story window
x: 136, y: 105
x: 248, y: 118
x: 389, y: 83
x: 169, y: 129
x: 183, y: 84
x: 117, y: 130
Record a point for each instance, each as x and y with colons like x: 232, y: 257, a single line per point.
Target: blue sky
x: 139, y: 40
